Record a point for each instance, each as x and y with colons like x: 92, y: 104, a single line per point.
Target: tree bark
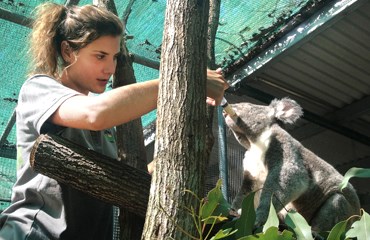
x: 102, y: 177
x: 180, y: 146
x: 130, y: 139
x: 214, y: 15
x: 131, y: 149
x: 107, y: 4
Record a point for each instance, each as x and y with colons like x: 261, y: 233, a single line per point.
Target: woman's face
x: 92, y: 66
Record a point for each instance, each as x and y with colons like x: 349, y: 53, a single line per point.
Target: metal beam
x: 340, y: 117
x: 352, y: 111
x: 7, y: 129
x: 15, y: 18
x: 144, y: 61
x: 23, y: 20
x: 72, y: 2
x: 309, y: 116
x: 8, y: 153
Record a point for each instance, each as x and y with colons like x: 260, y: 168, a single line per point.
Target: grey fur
x: 289, y: 174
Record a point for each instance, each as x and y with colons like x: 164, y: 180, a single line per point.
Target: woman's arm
x: 111, y: 108
x: 123, y: 104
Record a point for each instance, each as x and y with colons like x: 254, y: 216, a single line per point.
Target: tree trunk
x: 180, y: 146
x: 102, y: 177
x: 214, y: 15
x: 107, y: 4
x: 130, y: 140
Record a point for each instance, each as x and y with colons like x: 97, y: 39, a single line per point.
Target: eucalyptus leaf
x: 246, y: 221
x: 271, y: 234
x: 223, y: 207
x: 216, y: 205
x: 223, y: 233
x: 338, y: 232
x: 252, y: 237
x: 299, y: 225
x: 215, y: 219
x: 354, y: 172
x: 272, y: 220
x: 287, y: 234
x: 213, y: 198
x: 361, y: 228
x: 230, y: 224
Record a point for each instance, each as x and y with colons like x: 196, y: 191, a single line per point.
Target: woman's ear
x: 66, y: 52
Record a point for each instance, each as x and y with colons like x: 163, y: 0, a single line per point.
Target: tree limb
x: 102, y: 177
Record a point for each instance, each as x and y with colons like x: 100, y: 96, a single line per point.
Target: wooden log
x: 102, y: 177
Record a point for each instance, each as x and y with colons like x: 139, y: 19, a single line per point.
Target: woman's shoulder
x: 37, y: 82
x: 38, y: 77
x: 40, y: 81
x: 44, y: 86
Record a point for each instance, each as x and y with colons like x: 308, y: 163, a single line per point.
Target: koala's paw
x: 235, y: 213
x: 239, y: 211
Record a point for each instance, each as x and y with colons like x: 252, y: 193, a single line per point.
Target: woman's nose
x: 110, y: 67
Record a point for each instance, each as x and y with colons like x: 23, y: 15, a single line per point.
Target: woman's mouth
x: 103, y: 81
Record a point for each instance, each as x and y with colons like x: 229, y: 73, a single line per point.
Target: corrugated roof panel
x: 331, y: 68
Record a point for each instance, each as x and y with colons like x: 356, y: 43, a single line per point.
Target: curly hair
x: 78, y: 25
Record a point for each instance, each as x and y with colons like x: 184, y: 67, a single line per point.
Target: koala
x: 279, y: 168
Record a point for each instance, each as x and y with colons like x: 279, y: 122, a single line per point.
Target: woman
x: 74, y: 53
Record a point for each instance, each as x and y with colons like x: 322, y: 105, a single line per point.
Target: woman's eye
x: 100, y: 56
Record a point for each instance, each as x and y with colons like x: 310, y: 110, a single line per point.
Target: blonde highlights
x: 78, y: 25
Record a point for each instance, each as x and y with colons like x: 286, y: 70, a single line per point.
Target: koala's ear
x: 286, y: 110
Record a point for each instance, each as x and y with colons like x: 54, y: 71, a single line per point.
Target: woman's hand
x: 216, y: 86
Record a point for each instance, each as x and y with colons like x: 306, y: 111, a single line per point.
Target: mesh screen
x: 12, y: 63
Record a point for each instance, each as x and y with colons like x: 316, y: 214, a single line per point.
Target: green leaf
x: 213, y: 198
x: 223, y: 207
x: 299, y: 225
x: 338, y: 231
x: 354, y: 172
x: 252, y: 237
x: 246, y: 221
x: 272, y: 220
x: 230, y: 224
x: 214, y: 219
x: 216, y: 205
x: 223, y: 233
x: 360, y: 228
x: 271, y: 233
x: 287, y: 234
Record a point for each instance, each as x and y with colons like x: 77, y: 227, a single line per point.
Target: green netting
x: 242, y: 25
x: 13, y: 71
